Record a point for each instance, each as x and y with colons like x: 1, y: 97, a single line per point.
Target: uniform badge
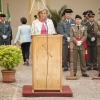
x: 82, y: 29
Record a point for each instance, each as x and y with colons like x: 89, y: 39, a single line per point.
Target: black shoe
x: 99, y: 75
x: 88, y: 68
x: 95, y: 68
x: 65, y: 69
x: 85, y: 75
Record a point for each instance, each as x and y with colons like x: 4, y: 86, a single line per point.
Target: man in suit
x: 5, y: 31
x: 78, y: 34
x: 64, y: 28
x: 97, y: 32
x: 91, y: 43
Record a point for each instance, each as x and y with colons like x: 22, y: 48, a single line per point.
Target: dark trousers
x: 65, y: 56
x: 25, y: 50
x: 4, y: 42
x: 92, y: 54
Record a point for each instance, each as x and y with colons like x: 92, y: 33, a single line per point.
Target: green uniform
x: 5, y: 29
x: 81, y: 33
x: 92, y: 48
x: 63, y: 28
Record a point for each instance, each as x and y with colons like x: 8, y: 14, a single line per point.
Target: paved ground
x: 83, y: 88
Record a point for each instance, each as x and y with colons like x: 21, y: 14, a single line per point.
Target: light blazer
x: 81, y: 33
x: 37, y: 26
x: 23, y: 34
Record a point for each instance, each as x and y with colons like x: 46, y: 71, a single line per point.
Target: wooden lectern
x: 47, y: 62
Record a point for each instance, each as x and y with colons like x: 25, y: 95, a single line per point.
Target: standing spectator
x: 64, y: 29
x: 85, y: 20
x: 24, y: 36
x: 91, y: 43
x: 5, y: 31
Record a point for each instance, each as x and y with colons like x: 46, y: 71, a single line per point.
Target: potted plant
x: 10, y: 57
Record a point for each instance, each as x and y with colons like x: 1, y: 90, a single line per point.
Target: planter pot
x: 8, y: 75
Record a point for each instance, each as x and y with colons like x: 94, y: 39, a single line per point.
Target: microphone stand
x: 47, y: 50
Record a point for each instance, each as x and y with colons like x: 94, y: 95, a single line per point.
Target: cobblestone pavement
x: 83, y: 88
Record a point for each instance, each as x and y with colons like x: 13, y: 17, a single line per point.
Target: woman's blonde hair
x: 42, y: 9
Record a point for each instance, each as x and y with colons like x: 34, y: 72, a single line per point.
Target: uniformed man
x: 62, y: 16
x: 97, y: 32
x: 87, y: 12
x: 5, y: 31
x: 78, y: 34
x: 64, y: 29
x: 84, y: 21
x: 91, y: 43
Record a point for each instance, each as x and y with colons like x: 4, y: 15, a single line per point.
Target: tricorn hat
x: 78, y: 16
x: 68, y: 11
x: 2, y: 15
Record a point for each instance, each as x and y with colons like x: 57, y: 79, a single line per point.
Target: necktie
x: 68, y: 22
x: 78, y: 27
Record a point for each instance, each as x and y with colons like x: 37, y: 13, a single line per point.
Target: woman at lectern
x: 42, y: 25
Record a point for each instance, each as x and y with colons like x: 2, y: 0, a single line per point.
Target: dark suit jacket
x: 5, y: 29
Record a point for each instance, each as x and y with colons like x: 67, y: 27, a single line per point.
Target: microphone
x: 45, y: 19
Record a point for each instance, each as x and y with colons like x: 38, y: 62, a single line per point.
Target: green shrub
x: 10, y: 56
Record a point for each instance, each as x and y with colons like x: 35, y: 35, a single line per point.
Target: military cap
x: 2, y: 15
x: 84, y: 13
x: 78, y: 16
x: 91, y: 15
x: 67, y: 11
x: 89, y: 11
